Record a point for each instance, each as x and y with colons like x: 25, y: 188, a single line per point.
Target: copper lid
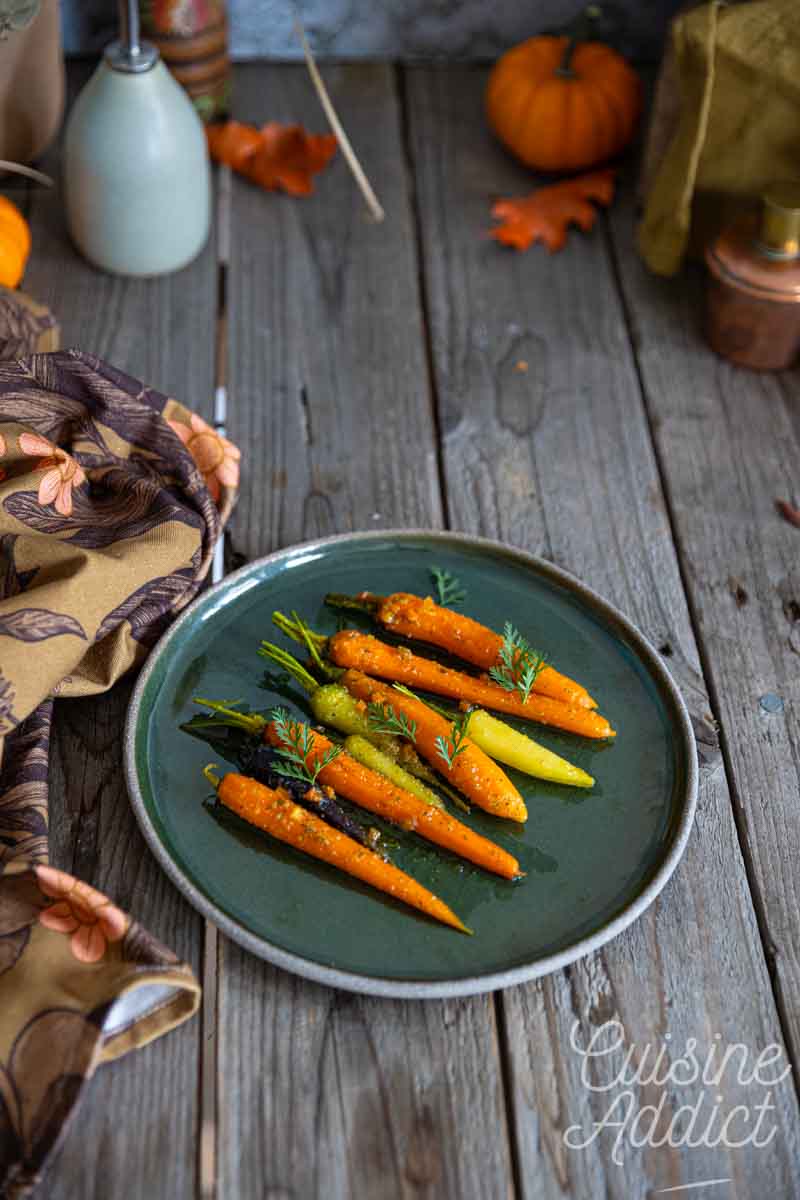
x: 754, y: 254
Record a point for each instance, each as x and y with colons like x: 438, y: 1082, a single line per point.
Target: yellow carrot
x: 369, y: 755
x: 514, y: 749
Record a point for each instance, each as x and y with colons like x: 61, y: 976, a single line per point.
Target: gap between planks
x: 209, y: 1079
x: 400, y: 81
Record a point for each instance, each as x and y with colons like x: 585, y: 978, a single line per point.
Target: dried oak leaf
x: 544, y: 215
x: 275, y: 156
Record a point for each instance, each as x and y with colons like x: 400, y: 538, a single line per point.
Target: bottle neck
x: 130, y: 54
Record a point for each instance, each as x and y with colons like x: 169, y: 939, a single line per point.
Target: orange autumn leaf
x: 232, y: 143
x: 288, y: 157
x: 275, y: 156
x: 545, y: 214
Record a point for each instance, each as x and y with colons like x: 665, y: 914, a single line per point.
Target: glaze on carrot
x: 276, y: 813
x: 360, y: 651
x: 425, y: 621
x: 471, y: 771
x: 374, y: 792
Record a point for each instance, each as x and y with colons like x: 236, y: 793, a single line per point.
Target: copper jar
x: 753, y: 304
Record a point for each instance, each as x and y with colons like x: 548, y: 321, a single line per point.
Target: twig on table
x: 365, y: 187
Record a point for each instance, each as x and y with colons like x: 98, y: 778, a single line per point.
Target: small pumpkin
x: 15, y: 243
x: 559, y: 104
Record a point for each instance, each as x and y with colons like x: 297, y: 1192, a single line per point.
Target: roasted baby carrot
x: 362, y: 652
x: 468, y: 769
x: 374, y: 792
x: 332, y: 705
x: 276, y: 813
x: 425, y: 621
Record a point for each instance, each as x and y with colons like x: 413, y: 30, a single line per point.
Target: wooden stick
x: 372, y: 202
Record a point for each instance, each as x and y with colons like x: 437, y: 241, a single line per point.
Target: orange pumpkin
x: 15, y: 243
x: 559, y: 105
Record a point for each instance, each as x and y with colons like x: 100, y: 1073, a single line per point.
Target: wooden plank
x: 327, y: 367
x: 728, y: 444
x: 160, y: 331
x: 323, y: 1094
x: 556, y: 457
x: 327, y: 1094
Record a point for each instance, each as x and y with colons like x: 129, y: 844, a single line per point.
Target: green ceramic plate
x: 594, y: 860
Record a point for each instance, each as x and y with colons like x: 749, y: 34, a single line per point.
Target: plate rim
x: 376, y: 985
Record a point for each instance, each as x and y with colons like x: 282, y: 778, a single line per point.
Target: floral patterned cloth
x: 112, y: 496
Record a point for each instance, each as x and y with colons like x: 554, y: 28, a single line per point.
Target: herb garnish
x: 448, y: 588
x: 382, y: 718
x: 297, y: 744
x: 449, y: 749
x: 520, y: 663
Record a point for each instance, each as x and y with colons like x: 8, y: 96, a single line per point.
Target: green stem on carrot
x: 365, y: 603
x: 298, y: 631
x: 252, y: 723
x: 289, y: 663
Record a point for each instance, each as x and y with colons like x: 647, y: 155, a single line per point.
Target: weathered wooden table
x: 373, y: 383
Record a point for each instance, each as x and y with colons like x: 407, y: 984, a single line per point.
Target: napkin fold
x: 112, y: 496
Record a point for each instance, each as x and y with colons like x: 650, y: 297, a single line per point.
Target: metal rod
x: 130, y: 27
x: 129, y: 53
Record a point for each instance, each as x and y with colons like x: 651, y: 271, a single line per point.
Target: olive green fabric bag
x: 726, y: 123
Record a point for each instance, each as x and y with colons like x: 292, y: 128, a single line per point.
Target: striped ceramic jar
x: 192, y: 37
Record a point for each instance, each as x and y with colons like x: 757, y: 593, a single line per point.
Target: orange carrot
x: 362, y: 652
x: 471, y: 771
x: 379, y: 795
x: 276, y: 813
x: 426, y: 621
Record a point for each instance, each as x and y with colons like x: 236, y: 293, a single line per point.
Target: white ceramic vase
x: 136, y: 173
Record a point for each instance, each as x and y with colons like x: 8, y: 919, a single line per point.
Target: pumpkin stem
x: 582, y: 30
x: 564, y: 69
